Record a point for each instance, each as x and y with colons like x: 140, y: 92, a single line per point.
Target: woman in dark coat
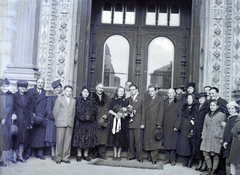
x: 184, y: 145
x: 23, y: 112
x: 234, y: 156
x: 118, y: 137
x: 171, y: 125
x: 202, y: 109
x: 227, y: 137
x: 190, y: 90
x: 6, y: 110
x: 85, y: 134
x: 101, y: 100
x: 50, y: 137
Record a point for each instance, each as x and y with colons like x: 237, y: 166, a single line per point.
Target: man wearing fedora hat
x: 50, y: 137
x: 23, y: 112
x: 100, y: 99
x: 152, y: 118
x: 37, y: 134
x: 179, y: 92
x: 6, y: 110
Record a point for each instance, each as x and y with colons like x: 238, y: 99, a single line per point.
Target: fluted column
x: 24, y: 42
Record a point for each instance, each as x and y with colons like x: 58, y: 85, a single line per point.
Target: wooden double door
x: 142, y: 53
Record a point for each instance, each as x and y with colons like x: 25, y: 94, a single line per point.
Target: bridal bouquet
x: 122, y: 112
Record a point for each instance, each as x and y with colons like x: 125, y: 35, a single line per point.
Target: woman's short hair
x: 68, y: 86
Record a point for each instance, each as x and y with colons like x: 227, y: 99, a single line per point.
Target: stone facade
x: 51, y: 48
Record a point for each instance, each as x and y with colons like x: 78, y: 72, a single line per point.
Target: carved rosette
x: 217, y: 51
x: 62, y: 45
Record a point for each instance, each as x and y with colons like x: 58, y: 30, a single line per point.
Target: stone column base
x: 16, y: 72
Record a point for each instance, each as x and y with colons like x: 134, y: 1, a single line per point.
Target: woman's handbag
x: 14, y: 129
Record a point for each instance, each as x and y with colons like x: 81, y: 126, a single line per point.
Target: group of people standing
x: 196, y: 126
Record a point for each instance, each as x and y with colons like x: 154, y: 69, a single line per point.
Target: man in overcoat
x: 171, y: 125
x: 64, y: 114
x: 135, y: 131
x: 101, y: 101
x: 152, y: 119
x: 214, y: 94
x: 37, y: 134
x: 6, y: 110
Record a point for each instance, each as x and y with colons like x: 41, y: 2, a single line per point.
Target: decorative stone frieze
x: 54, y: 46
x: 217, y: 26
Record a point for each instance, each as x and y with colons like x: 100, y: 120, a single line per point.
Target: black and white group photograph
x: 103, y: 87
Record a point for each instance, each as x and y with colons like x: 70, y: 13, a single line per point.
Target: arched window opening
x: 116, y: 61
x: 130, y: 14
x: 163, y: 15
x: 160, y: 63
x: 174, y: 16
x: 118, y: 13
x: 107, y: 13
x: 151, y: 15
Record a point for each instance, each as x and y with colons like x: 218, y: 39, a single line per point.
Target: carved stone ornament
x: 216, y: 54
x: 216, y: 66
x: 217, y: 42
x: 60, y: 71
x: 218, y: 2
x: 215, y: 79
x: 61, y: 58
x: 217, y: 31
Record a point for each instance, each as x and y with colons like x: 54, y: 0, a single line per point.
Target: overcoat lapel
x: 169, y: 106
x: 151, y: 102
x: 19, y: 101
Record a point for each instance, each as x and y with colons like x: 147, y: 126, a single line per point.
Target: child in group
x: 212, y: 136
x: 64, y: 114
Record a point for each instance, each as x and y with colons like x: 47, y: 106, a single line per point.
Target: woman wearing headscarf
x: 184, y: 145
x: 85, y: 134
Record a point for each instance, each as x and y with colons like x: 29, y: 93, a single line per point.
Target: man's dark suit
x: 135, y: 132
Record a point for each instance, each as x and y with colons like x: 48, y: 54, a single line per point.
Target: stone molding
x: 54, y: 41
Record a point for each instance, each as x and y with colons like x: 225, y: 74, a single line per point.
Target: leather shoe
x: 203, y: 170
x: 166, y: 162
x: 20, y: 159
x: 14, y: 160
x: 2, y: 164
x: 66, y: 161
x: 41, y: 157
x: 87, y: 158
x: 131, y: 158
x: 53, y: 158
x: 154, y: 162
x: 58, y: 162
x: 173, y: 163
x: 198, y: 169
x: 119, y: 159
x: 103, y: 157
x: 79, y: 158
x: 141, y: 161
